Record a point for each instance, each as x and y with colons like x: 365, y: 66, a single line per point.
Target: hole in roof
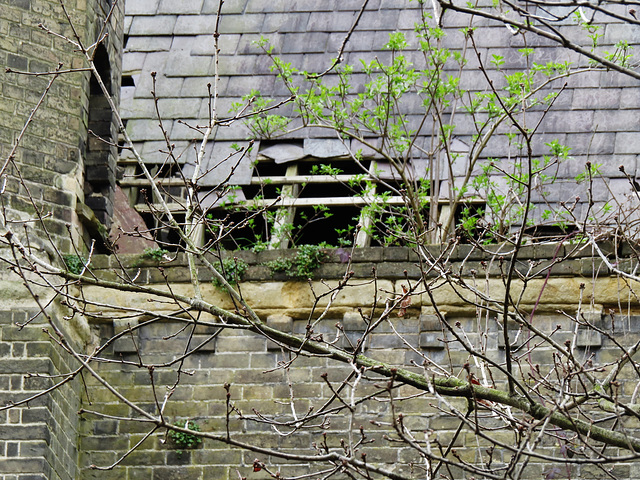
x: 127, y: 81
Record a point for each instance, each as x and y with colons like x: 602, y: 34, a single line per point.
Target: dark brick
x: 23, y: 432
x: 35, y: 415
x: 17, y: 62
x: 176, y: 473
x: 12, y: 449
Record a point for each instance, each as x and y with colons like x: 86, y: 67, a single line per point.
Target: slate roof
x: 598, y: 113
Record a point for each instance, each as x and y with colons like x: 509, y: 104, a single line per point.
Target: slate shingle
x: 152, y: 25
x: 173, y: 7
x: 598, y: 112
x: 230, y: 6
x: 142, y: 7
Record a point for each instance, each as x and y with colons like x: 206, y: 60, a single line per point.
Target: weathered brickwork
x: 39, y: 439
x: 249, y: 364
x: 54, y: 147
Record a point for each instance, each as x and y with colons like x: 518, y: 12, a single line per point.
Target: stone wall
x: 58, y: 437
x: 39, y: 438
x: 249, y: 363
x: 54, y: 147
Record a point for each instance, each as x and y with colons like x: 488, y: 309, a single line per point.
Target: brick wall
x: 50, y: 439
x: 50, y: 157
x: 249, y: 364
x: 39, y: 439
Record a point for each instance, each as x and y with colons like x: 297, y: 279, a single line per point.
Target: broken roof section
x: 597, y: 114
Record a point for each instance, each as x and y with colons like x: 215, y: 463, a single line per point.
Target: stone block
x: 129, y: 341
x: 21, y: 465
x: 398, y: 270
x: 431, y: 340
x: 154, y: 25
x: 396, y: 254
x: 173, y: 7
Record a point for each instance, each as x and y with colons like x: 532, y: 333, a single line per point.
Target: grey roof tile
x: 317, y: 62
x: 292, y: 22
x: 592, y: 143
x: 194, y: 87
x: 185, y: 42
x: 611, y: 79
x: 230, y: 6
x: 609, y: 166
x: 157, y: 151
x: 195, y: 25
x: 241, y: 65
x: 401, y: 4
x: 331, y: 22
x: 356, y: 5
x: 165, y: 87
x: 238, y: 131
x: 617, y: 120
x: 284, y: 6
x: 599, y: 98
x: 154, y: 62
x: 259, y: 6
x: 221, y: 161
x: 132, y: 62
x: 171, y: 6
x: 630, y: 163
x: 312, y: 5
x: 627, y: 142
x: 144, y: 129
x: 324, y: 148
x: 242, y: 85
x: 205, y: 45
x: 568, y: 122
x: 248, y: 43
x: 284, y: 152
x: 379, y: 21
x: 152, y: 25
x: 247, y: 23
x: 183, y: 130
x: 360, y: 42
x: 142, y: 7
x: 138, y: 109
x: 180, y: 65
x: 185, y: 108
x: 149, y: 44
x: 626, y: 32
x: 629, y: 98
x: 313, y: 42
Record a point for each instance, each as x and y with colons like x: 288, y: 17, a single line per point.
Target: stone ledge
x: 388, y: 263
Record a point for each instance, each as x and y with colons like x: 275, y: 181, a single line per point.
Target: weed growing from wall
x: 183, y: 440
x: 307, y: 259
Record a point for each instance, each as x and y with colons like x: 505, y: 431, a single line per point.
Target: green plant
x: 153, y: 254
x: 307, y: 259
x: 184, y: 440
x: 233, y: 269
x: 261, y: 123
x: 75, y: 264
